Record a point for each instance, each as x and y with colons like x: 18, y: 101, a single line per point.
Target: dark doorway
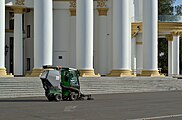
x: 180, y: 53
x: 163, y: 55
x: 11, y: 55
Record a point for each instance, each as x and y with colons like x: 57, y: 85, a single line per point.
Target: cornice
x: 162, y: 27
x: 170, y: 27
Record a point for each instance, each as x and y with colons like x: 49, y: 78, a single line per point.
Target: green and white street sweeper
x: 61, y: 83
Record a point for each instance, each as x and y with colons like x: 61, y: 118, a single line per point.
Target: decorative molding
x: 3, y: 72
x: 163, y: 27
x: 176, y: 33
x: 25, y: 10
x: 151, y: 73
x: 20, y: 2
x: 120, y: 73
x: 170, y: 27
x: 102, y: 11
x: 102, y: 7
x: 101, y: 3
x: 73, y: 11
x: 139, y: 43
x: 18, y: 9
x: 88, y: 73
x: 169, y: 37
x: 73, y: 8
x: 9, y: 31
x: 137, y: 27
x: 36, y: 72
x: 73, y: 4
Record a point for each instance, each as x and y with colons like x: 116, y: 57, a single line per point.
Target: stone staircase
x: 32, y: 86
x: 20, y: 87
x: 106, y: 85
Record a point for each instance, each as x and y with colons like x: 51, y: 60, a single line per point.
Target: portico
x: 96, y: 37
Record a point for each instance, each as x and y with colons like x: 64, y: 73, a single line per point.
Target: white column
x: 18, y: 44
x: 121, y: 38
x: 2, y: 34
x: 139, y: 53
x: 170, y: 58
x: 138, y: 5
x: 133, y: 54
x: 176, y: 54
x: 132, y: 10
x: 150, y: 36
x: 2, y: 37
x: 102, y: 41
x: 43, y: 38
x: 84, y: 37
x: 43, y: 35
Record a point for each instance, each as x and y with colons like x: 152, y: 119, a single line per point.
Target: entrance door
x: 11, y: 48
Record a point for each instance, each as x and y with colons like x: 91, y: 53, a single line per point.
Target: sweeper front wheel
x: 73, y: 96
x: 57, y: 97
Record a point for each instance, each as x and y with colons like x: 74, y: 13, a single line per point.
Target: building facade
x: 98, y: 37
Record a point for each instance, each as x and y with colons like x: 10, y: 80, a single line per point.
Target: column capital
x: 102, y: 11
x: 102, y: 7
x: 20, y: 2
x: 72, y: 11
x: 176, y: 33
x: 18, y: 9
x: 73, y: 8
x: 169, y: 37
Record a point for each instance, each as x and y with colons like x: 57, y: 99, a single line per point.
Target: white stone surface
x: 18, y: 45
x: 103, y: 43
x: 72, y: 41
x: 29, y: 41
x: 62, y: 37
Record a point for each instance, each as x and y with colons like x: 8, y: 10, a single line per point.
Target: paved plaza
x: 127, y: 106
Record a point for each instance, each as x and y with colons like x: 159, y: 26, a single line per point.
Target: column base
x: 3, y: 73
x: 35, y: 73
x: 120, y: 73
x: 151, y: 73
x: 88, y: 73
